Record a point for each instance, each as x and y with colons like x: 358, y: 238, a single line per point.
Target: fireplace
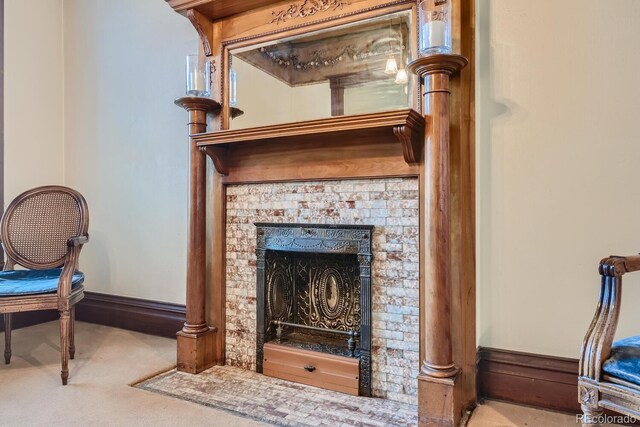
x: 314, y: 304
x: 391, y: 206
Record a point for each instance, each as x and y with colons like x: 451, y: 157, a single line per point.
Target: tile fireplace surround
x: 391, y: 205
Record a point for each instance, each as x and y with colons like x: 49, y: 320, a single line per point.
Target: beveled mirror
x: 350, y: 69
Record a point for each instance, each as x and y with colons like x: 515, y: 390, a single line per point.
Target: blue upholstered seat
x: 27, y: 282
x: 624, y: 362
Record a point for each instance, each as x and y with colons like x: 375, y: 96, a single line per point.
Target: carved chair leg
x: 64, y: 345
x: 7, y: 338
x: 72, y: 328
x: 591, y: 415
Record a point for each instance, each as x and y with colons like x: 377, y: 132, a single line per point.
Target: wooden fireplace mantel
x: 390, y: 144
x: 380, y: 144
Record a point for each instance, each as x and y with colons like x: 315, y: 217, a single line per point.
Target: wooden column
x: 337, y: 96
x: 196, y: 340
x: 438, y: 373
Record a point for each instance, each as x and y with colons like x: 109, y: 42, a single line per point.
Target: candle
x: 435, y: 26
x: 435, y: 31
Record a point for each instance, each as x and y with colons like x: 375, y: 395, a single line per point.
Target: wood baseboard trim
x: 529, y: 379
x: 134, y: 314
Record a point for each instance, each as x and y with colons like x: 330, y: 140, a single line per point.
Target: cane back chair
x: 609, y: 372
x: 43, y: 230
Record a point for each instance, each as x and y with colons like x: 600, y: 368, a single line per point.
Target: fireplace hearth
x: 314, y: 304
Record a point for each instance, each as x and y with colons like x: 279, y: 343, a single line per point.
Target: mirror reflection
x: 352, y: 69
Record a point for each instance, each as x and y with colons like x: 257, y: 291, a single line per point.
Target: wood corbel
x: 411, y: 136
x: 204, y: 27
x: 219, y: 156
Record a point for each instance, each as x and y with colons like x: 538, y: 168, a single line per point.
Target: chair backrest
x: 36, y: 225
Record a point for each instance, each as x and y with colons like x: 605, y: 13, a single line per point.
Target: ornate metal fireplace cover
x: 319, y: 277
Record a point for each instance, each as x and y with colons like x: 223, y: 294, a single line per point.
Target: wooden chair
x: 610, y: 372
x: 43, y: 230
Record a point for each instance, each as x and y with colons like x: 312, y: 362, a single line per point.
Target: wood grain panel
x: 329, y: 371
x: 300, y: 161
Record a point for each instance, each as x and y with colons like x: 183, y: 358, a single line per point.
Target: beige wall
x: 126, y: 147
x: 558, y: 149
x: 33, y: 95
x: 558, y: 167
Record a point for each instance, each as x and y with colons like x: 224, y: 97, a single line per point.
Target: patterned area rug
x: 278, y: 402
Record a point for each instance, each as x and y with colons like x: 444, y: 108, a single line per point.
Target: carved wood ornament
x: 307, y: 8
x: 204, y: 28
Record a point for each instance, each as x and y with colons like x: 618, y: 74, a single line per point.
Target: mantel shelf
x: 407, y: 126
x: 217, y: 9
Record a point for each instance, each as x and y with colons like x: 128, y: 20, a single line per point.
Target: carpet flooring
x: 109, y: 359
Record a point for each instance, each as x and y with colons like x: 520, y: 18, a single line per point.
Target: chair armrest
x: 74, y: 246
x: 77, y: 241
x: 596, y: 347
x: 619, y: 265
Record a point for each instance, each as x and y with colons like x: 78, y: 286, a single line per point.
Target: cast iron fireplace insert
x: 314, y: 291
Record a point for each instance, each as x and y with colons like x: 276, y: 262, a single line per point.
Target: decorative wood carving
x: 219, y: 156
x: 241, y: 28
x: 588, y: 395
x: 306, y: 8
x: 236, y: 112
x: 204, y: 27
x: 411, y: 137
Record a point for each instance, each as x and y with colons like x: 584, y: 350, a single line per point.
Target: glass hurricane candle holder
x: 233, y: 88
x: 198, y: 76
x: 435, y: 26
